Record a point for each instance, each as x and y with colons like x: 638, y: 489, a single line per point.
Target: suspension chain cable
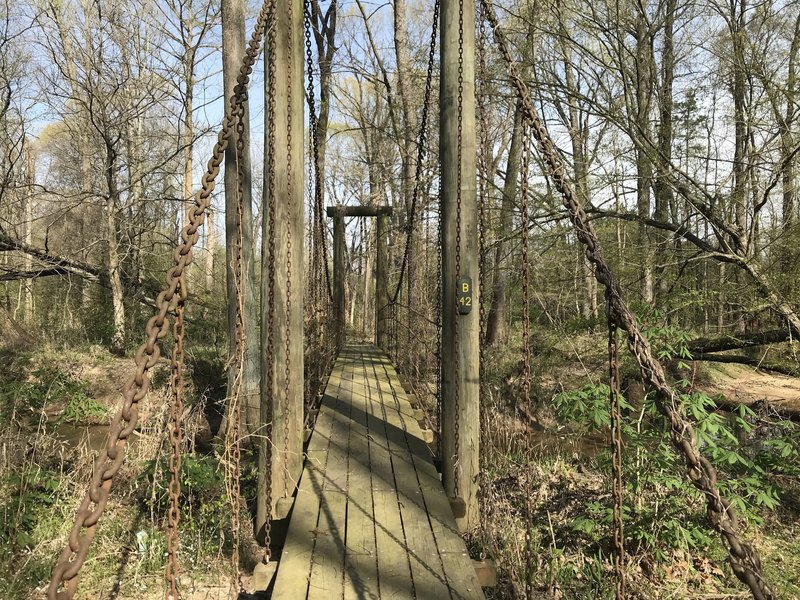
x: 289, y: 207
x: 64, y: 578
x: 233, y: 434
x: 421, y: 149
x: 271, y: 62
x: 744, y: 558
x: 459, y: 183
x: 176, y: 441
x: 616, y: 458
x: 320, y: 248
x: 439, y: 320
x: 483, y: 175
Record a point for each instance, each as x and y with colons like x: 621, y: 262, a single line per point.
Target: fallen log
x: 738, y: 342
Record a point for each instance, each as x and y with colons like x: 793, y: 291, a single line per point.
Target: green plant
x: 28, y: 496
x: 663, y: 510
x: 81, y: 407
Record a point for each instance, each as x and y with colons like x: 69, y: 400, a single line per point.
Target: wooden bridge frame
x: 460, y: 332
x: 338, y: 213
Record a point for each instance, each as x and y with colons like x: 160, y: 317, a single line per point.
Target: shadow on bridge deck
x: 371, y: 519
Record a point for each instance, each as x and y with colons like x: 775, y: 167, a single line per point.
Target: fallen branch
x: 737, y: 342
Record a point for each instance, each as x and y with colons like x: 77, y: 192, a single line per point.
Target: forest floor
x: 741, y: 383
x: 55, y: 405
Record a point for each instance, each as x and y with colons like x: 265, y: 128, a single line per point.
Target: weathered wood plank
x: 295, y: 560
x: 361, y: 566
x: 393, y: 567
x: 382, y: 526
x: 327, y: 568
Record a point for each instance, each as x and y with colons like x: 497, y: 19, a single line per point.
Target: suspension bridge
x: 372, y: 508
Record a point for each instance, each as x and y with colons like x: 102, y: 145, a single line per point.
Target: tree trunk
x: 496, y: 322
x: 644, y: 166
x: 117, y: 345
x: 233, y: 43
x: 664, y: 197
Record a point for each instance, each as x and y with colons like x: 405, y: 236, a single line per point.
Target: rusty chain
x: 320, y: 250
x: 421, y: 150
x: 457, y: 275
x: 616, y: 458
x: 233, y: 432
x: 744, y: 559
x: 526, y: 352
x: 177, y: 384
x: 271, y: 61
x: 287, y: 380
x: 483, y: 177
x: 65, y: 572
x: 439, y: 320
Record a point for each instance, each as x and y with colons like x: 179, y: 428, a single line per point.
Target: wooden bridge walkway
x: 371, y: 519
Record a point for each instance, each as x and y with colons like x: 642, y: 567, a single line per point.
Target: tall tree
x: 233, y: 44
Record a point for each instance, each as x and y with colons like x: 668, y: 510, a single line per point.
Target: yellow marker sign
x: 464, y: 296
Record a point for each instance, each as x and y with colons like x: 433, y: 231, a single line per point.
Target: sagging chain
x: 459, y: 183
x: 320, y: 249
x: 618, y: 490
x: 233, y: 433
x: 64, y: 578
x: 270, y: 67
x: 526, y: 351
x: 177, y: 384
x: 287, y: 380
x: 439, y: 320
x: 483, y: 180
x: 421, y: 150
x: 744, y: 559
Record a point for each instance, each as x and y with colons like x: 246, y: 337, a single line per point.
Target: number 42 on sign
x: 464, y: 295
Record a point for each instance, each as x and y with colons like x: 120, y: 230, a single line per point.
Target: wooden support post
x: 486, y: 570
x: 339, y: 277
x: 460, y: 340
x: 286, y: 394
x: 381, y: 293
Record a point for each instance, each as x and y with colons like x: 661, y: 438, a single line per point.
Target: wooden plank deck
x: 371, y: 520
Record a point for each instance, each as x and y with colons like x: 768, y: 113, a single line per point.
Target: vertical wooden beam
x: 381, y: 294
x: 287, y: 364
x: 460, y: 339
x: 339, y: 276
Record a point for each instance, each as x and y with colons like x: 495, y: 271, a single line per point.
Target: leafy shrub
x: 663, y: 510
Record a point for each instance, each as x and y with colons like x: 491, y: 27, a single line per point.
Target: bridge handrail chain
x: 421, y: 150
x: 743, y: 557
x: 68, y: 566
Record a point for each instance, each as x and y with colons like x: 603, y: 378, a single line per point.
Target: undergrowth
x: 672, y: 550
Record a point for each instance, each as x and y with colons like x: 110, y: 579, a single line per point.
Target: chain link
x: 289, y: 208
x: 743, y: 557
x: 176, y: 441
x: 483, y: 182
x: 459, y: 184
x: 233, y: 433
x: 64, y: 578
x: 421, y: 150
x: 321, y: 251
x: 271, y: 61
x: 616, y: 459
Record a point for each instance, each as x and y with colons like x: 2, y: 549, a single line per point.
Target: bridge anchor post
x: 460, y: 315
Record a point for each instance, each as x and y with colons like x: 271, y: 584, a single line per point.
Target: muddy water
x: 544, y: 442
x: 75, y: 435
